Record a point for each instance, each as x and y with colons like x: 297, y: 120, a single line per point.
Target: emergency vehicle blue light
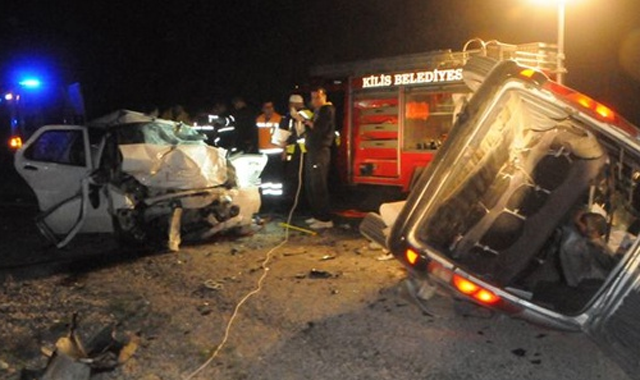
x: 30, y: 83
x: 8, y: 96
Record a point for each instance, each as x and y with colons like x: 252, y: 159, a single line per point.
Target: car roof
x: 123, y: 117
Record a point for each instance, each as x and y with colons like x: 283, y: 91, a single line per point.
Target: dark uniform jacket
x: 324, y: 126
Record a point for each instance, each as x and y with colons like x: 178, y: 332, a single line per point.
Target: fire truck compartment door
x: 380, y: 144
x: 378, y: 168
x: 379, y: 131
x: 385, y: 110
x: 379, y: 149
x: 387, y: 127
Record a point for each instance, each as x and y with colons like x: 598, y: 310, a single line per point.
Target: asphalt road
x: 360, y: 323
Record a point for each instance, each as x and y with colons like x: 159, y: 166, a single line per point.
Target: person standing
x: 267, y: 122
x: 319, y: 139
x: 246, y: 138
x: 293, y: 123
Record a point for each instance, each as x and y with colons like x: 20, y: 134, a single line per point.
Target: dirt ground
x: 328, y: 310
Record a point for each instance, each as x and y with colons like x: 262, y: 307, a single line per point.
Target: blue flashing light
x: 30, y: 83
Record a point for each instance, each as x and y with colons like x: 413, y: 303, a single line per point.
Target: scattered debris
x: 520, y: 352
x: 46, y: 351
x: 414, y: 291
x: 204, y: 309
x: 213, y: 285
x: 72, y: 360
x: 373, y: 246
x: 174, y: 230
x: 129, y: 349
x: 536, y: 361
x: 300, y: 276
x: 182, y: 257
x: 327, y: 257
x: 320, y: 274
x: 310, y: 326
x: 385, y: 256
x: 294, y: 252
x: 426, y: 290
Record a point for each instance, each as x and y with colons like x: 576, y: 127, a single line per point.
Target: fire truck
x: 399, y: 110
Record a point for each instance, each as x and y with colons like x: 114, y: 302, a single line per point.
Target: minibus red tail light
x: 486, y: 296
x: 600, y: 110
x: 604, y: 111
x: 474, y: 290
x: 465, y: 286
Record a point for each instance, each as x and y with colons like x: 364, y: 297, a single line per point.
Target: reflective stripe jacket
x: 265, y: 131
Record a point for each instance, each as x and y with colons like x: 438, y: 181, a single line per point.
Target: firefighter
x: 293, y: 125
x: 225, y: 127
x: 318, y: 141
x: 267, y: 122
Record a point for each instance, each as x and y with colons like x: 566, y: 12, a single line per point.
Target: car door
x: 614, y: 321
x: 56, y: 164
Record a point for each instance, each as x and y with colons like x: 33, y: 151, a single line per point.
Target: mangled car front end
x: 147, y: 180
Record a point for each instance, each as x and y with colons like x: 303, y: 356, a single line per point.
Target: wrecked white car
x: 148, y: 181
x: 532, y: 208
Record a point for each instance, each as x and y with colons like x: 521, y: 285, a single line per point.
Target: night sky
x: 134, y: 54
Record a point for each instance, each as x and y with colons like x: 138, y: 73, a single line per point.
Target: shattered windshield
x: 158, y: 133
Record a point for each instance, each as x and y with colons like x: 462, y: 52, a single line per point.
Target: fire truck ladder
x: 537, y: 55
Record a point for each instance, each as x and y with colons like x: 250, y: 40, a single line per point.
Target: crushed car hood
x: 180, y: 167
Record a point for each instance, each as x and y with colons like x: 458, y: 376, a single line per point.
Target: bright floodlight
x: 30, y: 83
x: 552, y: 2
x: 8, y: 96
